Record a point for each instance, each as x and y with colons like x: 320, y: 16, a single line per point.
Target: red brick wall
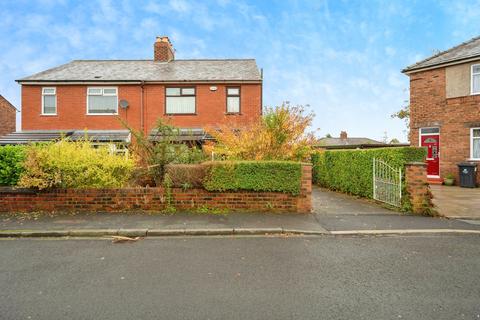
x: 71, y: 108
x: 417, y: 187
x: 115, y: 200
x: 7, y: 117
x: 429, y: 107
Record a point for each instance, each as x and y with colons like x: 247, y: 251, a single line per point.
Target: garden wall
x: 153, y: 199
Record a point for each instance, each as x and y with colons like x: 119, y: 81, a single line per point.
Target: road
x: 417, y: 277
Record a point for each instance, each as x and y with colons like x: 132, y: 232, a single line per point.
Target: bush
x: 186, y: 175
x: 351, y: 171
x: 66, y: 164
x: 11, y: 164
x: 276, y: 176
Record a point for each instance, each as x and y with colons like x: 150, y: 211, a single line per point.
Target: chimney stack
x: 163, y: 50
x: 343, y: 135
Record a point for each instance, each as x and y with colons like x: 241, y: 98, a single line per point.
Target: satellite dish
x: 123, y: 104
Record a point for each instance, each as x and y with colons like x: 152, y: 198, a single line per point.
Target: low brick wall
x: 417, y: 187
x: 153, y: 199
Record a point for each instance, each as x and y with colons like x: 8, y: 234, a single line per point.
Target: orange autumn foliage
x: 279, y: 135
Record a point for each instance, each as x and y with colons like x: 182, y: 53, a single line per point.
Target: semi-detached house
x: 90, y: 95
x: 445, y: 108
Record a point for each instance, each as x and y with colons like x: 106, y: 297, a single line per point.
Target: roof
x: 184, y: 134
x: 333, y: 142
x: 464, y: 51
x: 149, y: 70
x: 25, y: 137
x: 6, y: 102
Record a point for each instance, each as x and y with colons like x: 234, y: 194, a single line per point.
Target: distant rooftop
x: 464, y: 51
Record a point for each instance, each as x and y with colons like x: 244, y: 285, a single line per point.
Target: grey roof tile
x: 149, y: 70
x: 466, y: 50
x: 328, y: 142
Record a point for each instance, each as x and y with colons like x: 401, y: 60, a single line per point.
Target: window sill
x: 179, y: 114
x: 48, y: 115
x: 475, y: 160
x: 102, y: 114
x: 233, y: 113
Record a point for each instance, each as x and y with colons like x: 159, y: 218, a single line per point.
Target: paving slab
x: 456, y: 202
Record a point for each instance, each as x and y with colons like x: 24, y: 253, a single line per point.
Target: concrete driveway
x: 456, y: 202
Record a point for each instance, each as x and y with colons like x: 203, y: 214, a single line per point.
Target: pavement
x: 456, y: 202
x: 224, y: 277
x: 334, y: 213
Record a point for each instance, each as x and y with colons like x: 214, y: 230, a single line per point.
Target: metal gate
x: 387, y: 183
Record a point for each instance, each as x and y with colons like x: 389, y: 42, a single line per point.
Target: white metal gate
x: 387, y: 183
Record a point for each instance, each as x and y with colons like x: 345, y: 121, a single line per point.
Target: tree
x: 280, y: 134
x: 394, y: 141
x: 328, y: 135
x: 403, y: 114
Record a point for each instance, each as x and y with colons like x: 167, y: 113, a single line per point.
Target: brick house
x: 445, y: 108
x: 91, y: 95
x: 7, y: 116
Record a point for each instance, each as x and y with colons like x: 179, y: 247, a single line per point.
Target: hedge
x: 11, y: 164
x: 351, y: 171
x: 274, y: 176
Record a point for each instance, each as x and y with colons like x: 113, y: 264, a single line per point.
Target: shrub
x: 11, y: 164
x: 279, y: 135
x: 276, y: 176
x: 186, y: 175
x: 351, y: 171
x: 155, y: 152
x: 66, y: 164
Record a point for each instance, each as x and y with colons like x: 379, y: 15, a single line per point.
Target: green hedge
x: 11, y: 164
x: 351, y: 171
x: 275, y: 176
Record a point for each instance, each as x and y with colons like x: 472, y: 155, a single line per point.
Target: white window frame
x: 471, y: 144
x: 194, y: 95
x: 103, y: 94
x: 234, y: 96
x: 43, y: 100
x: 471, y: 78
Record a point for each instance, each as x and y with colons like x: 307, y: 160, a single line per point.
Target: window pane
x: 173, y: 91
x: 48, y: 90
x: 429, y: 130
x: 476, y: 148
x: 476, y: 69
x: 180, y: 105
x: 476, y: 133
x: 233, y: 91
x: 102, y: 104
x: 476, y: 84
x: 94, y: 91
x: 49, y: 105
x: 188, y: 91
x: 110, y: 91
x: 233, y: 104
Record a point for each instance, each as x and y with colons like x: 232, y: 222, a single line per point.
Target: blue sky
x: 343, y: 58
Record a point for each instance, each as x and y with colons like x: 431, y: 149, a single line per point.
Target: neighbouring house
x: 8, y: 114
x: 90, y: 95
x: 445, y: 108
x: 344, y: 142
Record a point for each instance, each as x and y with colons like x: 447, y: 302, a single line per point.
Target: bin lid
x: 467, y: 164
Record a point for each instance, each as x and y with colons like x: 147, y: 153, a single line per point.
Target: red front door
x: 432, y: 142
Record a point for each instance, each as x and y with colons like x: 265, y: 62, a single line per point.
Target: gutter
x: 413, y: 69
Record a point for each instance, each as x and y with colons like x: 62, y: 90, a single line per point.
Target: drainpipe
x: 142, y: 113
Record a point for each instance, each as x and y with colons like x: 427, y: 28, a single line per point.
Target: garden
x: 258, y: 167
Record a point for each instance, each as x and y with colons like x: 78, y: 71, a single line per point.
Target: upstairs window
x: 180, y: 101
x: 102, y: 101
x: 476, y: 79
x: 233, y: 100
x: 475, y: 144
x: 49, y: 101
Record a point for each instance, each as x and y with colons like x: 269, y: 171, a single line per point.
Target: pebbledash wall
x: 153, y: 199
x: 441, y: 98
x: 211, y: 107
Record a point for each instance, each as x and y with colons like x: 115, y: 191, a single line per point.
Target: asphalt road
x: 242, y: 278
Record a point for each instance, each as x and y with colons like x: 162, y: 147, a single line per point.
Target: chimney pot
x: 343, y: 135
x: 163, y: 50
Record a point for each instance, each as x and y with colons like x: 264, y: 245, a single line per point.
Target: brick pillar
x: 304, y: 203
x: 417, y: 187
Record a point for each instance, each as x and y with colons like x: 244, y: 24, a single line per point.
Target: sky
x: 341, y: 58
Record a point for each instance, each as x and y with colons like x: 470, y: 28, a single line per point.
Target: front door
x: 432, y: 143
